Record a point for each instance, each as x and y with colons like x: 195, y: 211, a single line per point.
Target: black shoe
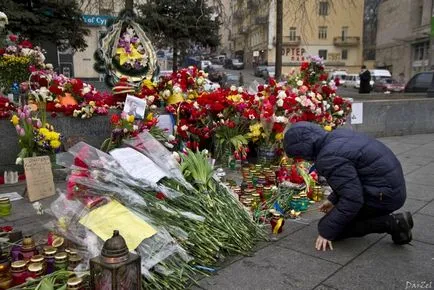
x: 401, y: 226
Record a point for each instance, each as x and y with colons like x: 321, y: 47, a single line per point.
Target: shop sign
x: 294, y: 53
x: 96, y: 20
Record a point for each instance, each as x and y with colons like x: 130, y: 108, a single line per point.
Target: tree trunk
x: 129, y: 4
x: 175, y: 56
x: 279, y: 16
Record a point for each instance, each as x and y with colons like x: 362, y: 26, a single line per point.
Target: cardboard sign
x: 39, y: 177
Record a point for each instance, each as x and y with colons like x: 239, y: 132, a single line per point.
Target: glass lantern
x: 116, y: 268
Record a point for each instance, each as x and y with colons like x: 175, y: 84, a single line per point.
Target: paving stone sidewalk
x: 291, y: 262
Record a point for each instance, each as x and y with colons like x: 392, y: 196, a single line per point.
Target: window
x: 344, y: 54
x: 423, y: 80
x: 292, y: 33
x: 323, y: 53
x: 344, y: 32
x: 322, y: 32
x: 323, y: 8
x: 421, y: 51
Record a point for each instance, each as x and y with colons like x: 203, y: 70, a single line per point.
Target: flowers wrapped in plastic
x: 204, y: 223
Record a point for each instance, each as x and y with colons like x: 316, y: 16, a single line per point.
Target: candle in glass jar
x: 49, y: 253
x: 5, y: 206
x: 19, y: 272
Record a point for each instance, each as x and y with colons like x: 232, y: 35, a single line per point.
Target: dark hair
x: 363, y: 66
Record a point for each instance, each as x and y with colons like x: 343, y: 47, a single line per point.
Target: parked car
x: 237, y: 64
x: 227, y: 63
x: 210, y: 86
x: 259, y: 70
x: 230, y: 80
x: 388, y: 85
x: 341, y: 75
x: 378, y: 74
x: 269, y: 72
x: 205, y: 64
x: 214, y: 75
x: 419, y: 83
x: 352, y: 81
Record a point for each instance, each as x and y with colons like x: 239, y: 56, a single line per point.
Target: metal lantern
x: 116, y: 268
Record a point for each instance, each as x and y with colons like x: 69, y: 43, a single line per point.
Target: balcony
x: 346, y: 41
x: 261, y: 20
x: 289, y: 41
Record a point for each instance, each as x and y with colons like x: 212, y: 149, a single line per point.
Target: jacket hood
x: 304, y: 140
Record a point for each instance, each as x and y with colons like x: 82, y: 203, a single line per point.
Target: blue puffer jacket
x: 361, y: 171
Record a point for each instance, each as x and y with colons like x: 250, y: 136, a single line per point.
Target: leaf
x: 46, y: 284
x: 62, y: 288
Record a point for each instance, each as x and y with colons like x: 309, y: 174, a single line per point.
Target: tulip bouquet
x: 36, y: 137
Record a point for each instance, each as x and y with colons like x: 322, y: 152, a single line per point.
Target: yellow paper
x: 114, y: 216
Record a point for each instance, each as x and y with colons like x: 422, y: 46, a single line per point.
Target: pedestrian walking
x: 365, y: 81
x: 366, y: 178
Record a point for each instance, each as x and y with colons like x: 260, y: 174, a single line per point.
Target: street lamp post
x: 430, y: 92
x: 279, y: 24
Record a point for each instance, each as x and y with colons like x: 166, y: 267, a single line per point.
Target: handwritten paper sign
x: 39, y: 177
x: 357, y: 113
x: 138, y: 165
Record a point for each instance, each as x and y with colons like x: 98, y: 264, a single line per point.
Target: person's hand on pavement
x: 321, y: 243
x: 326, y: 206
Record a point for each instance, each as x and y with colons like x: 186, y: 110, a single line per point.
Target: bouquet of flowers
x: 130, y: 53
x: 36, y: 137
x: 126, y: 127
x: 6, y: 108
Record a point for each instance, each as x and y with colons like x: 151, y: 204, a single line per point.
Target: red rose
x: 26, y: 44
x: 304, y: 65
x: 115, y: 119
x: 55, y: 90
x: 323, y: 77
x: 160, y: 196
x: 13, y: 37
x: 2, y: 51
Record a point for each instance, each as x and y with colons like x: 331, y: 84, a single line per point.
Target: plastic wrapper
x: 150, y: 147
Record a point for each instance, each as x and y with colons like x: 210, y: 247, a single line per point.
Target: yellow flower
x: 55, y: 144
x: 130, y: 118
x: 328, y: 128
x: 235, y: 98
x: 125, y: 56
x: 15, y: 120
x: 150, y: 117
x: 43, y: 131
x: 148, y: 83
x: 279, y: 136
x: 92, y: 103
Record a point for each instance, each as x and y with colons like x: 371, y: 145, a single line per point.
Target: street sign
x: 96, y: 20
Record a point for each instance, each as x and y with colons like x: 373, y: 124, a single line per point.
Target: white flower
x: 86, y: 90
x: 84, y: 117
x: 299, y: 83
x: 311, y: 94
x: 295, y: 91
x: 319, y: 96
x: 233, y: 88
x: 26, y: 51
x: 49, y: 66
x: 171, y: 138
x: 19, y: 161
x: 298, y: 99
x: 166, y: 93
x: 257, y: 99
x: 177, y: 89
x: 281, y: 95
x: 324, y: 82
x: 328, y: 106
x: 38, y: 207
x: 196, y: 105
x: 220, y: 115
x: 336, y: 107
x: 332, y: 83
x: 184, y: 127
x: 281, y: 119
x: 200, y: 81
x: 168, y: 145
x: 125, y: 130
x: 151, y: 99
x: 153, y: 107
x: 240, y: 90
x: 340, y: 113
x: 135, y: 127
x: 251, y: 117
x: 279, y: 102
x: 318, y: 110
x: 75, y: 113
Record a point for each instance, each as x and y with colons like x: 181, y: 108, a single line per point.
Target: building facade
x: 331, y: 29
x: 403, y: 37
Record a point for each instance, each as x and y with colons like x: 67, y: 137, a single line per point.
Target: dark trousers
x: 369, y: 220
